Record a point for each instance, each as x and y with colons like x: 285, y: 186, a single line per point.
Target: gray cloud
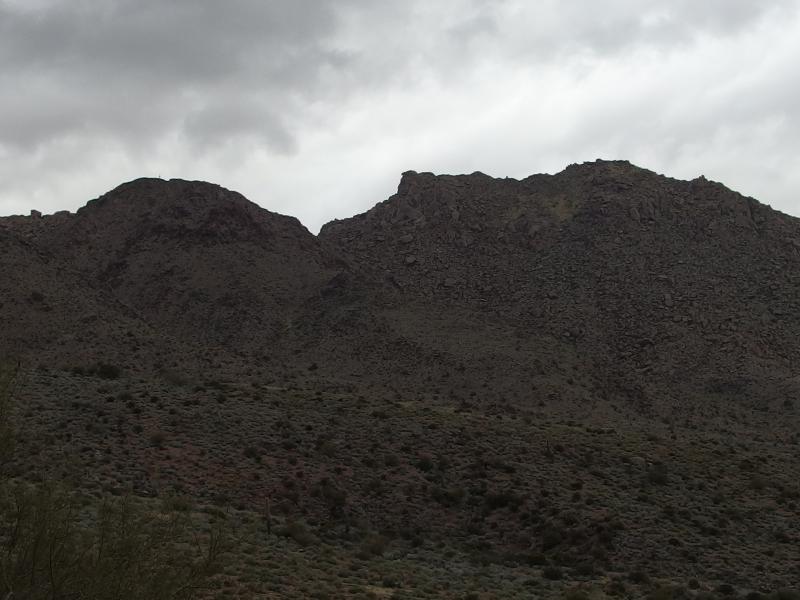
x: 236, y: 117
x: 87, y: 66
x: 313, y: 107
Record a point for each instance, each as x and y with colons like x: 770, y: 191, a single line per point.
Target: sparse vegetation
x: 101, y: 370
x: 464, y: 394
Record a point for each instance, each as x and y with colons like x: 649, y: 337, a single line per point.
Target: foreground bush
x: 52, y: 547
x: 56, y: 545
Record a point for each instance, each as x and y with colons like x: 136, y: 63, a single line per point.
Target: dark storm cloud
x: 84, y: 66
x: 260, y: 94
x: 195, y: 41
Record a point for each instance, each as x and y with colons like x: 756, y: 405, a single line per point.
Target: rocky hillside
x: 648, y: 285
x: 589, y: 376
x: 50, y: 313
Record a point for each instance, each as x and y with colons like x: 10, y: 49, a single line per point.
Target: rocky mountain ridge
x: 598, y: 365
x: 604, y: 259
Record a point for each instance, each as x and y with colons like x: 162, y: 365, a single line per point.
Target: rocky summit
x: 580, y: 383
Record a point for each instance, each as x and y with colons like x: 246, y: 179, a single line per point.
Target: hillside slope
x: 583, y: 377
x: 183, y: 254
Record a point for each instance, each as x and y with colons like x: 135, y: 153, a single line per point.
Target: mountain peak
x: 184, y: 210
x: 148, y: 194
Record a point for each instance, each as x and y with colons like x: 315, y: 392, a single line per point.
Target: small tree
x: 54, y: 545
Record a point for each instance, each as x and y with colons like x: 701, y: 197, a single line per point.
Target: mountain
x: 646, y: 286
x: 592, y: 373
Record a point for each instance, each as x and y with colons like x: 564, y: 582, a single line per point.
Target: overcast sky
x: 313, y: 108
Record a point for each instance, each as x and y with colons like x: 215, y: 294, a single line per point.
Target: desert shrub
x: 425, y: 463
x: 101, y: 370
x: 173, y: 377
x: 297, y: 531
x: 658, y: 474
x: 726, y: 589
x: 107, y: 371
x: 536, y: 558
x: 585, y: 569
x: 639, y: 577
x: 552, y: 536
x: 617, y: 588
x: 373, y: 545
x: 178, y: 503
x: 252, y: 453
x: 326, y: 447
x: 667, y: 592
x: 552, y: 572
x: 448, y: 497
x: 502, y: 499
x: 334, y: 497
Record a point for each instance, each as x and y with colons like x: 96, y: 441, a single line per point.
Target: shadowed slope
x: 194, y: 259
x: 646, y: 284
